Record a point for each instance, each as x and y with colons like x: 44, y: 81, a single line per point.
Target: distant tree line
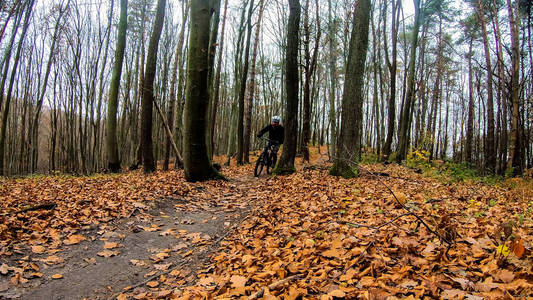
x: 87, y: 86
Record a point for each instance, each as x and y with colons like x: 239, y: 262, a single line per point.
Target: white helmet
x: 276, y: 119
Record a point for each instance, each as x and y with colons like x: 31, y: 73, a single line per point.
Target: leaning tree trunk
x: 10, y: 88
x: 196, y: 161
x: 286, y: 162
x: 349, y: 143
x: 149, y: 164
x: 112, y: 106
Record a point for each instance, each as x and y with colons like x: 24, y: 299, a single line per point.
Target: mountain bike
x: 267, y: 158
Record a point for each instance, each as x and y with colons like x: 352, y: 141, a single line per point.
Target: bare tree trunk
x: 112, y: 106
x: 149, y: 165
x: 310, y: 67
x: 215, y: 8
x: 286, y: 161
x: 392, y: 66
x: 35, y: 122
x: 490, y: 152
x: 171, y: 107
x: 349, y: 143
x: 514, y: 166
x: 196, y: 161
x: 29, y: 8
x: 251, y: 89
x: 333, y: 77
x: 216, y: 88
x: 403, y: 137
x: 240, y: 121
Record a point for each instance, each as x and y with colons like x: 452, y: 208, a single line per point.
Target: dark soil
x: 187, y: 231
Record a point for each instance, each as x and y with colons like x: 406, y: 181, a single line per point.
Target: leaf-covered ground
x: 305, y: 235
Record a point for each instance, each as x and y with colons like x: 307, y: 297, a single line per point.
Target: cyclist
x: 276, y: 135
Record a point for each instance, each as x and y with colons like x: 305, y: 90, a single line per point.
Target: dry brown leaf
x: 504, y: 276
x: 108, y: 253
x: 38, y: 249
x: 152, y: 284
x: 53, y: 259
x: 337, y: 293
x: 206, y: 281
x: 110, y: 245
x: 4, y: 269
x: 57, y: 276
x: 74, y: 239
x: 238, y: 281
x: 162, y: 267
x: 122, y: 297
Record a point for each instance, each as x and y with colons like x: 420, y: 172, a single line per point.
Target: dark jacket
x: 275, y: 133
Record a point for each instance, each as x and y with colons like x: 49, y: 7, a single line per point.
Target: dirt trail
x: 175, y: 238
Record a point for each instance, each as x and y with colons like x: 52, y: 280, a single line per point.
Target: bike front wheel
x: 259, y: 165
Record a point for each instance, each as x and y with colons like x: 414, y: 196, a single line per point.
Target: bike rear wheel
x: 259, y: 165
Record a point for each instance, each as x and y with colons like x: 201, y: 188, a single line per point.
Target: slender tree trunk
x: 286, y: 162
x: 38, y: 106
x: 5, y: 115
x: 149, y: 165
x: 196, y: 162
x: 310, y: 67
x: 436, y: 94
x: 251, y: 88
x: 392, y: 66
x: 349, y: 143
x: 211, y: 69
x: 333, y: 77
x: 514, y: 166
x: 240, y: 122
x: 112, y: 106
x: 216, y: 88
x: 490, y: 150
x: 403, y: 138
x: 174, y: 77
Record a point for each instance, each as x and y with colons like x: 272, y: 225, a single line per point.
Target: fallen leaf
x: 122, y: 297
x: 74, y: 239
x: 108, y: 253
x: 206, y: 281
x: 504, y: 276
x: 110, y: 245
x: 38, y: 249
x: 179, y: 246
x: 238, y: 281
x: 152, y: 284
x: 164, y: 294
x: 337, y: 293
x: 57, y: 276
x: 518, y: 249
x: 4, y: 269
x: 91, y: 260
x: 162, y: 267
x: 53, y: 259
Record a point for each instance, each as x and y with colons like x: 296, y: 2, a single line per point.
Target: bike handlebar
x: 269, y: 140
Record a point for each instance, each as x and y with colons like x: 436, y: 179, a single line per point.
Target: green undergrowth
x: 448, y: 171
